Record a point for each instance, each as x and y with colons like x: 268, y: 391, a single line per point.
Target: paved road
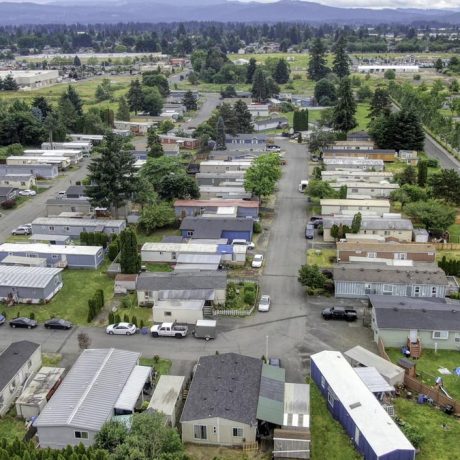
x: 35, y: 206
x: 293, y: 326
x: 446, y: 160
x: 210, y: 102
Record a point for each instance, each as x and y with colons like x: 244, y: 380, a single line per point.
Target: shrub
x: 117, y: 318
x: 134, y: 320
x: 4, y: 314
x: 111, y: 318
x: 249, y: 297
x: 113, y: 251
x: 142, y: 324
x: 126, y: 318
x: 156, y: 359
x: 32, y: 315
x: 417, y: 77
x: 257, y: 228
x: 8, y: 204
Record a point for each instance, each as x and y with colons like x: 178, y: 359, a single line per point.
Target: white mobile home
x: 337, y: 206
x: 74, y: 227
x: 74, y: 156
x: 81, y: 146
x: 371, y: 189
x: 60, y: 162
x: 364, y: 164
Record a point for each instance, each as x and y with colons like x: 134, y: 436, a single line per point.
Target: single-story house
x: 210, y: 286
x: 335, y: 206
x: 56, y: 206
x: 84, y: 146
x: 356, y: 251
x: 167, y: 397
x: 221, y: 406
x: 30, y: 160
x: 259, y: 110
x: 46, y: 171
x: 364, y: 164
x: 102, y: 383
x: 219, y: 179
x: 356, y: 176
x: 137, y: 128
x: 8, y: 193
x: 358, y: 281
x: 125, y: 283
x: 392, y: 227
x: 409, y: 156
x: 18, y: 363
x: 361, y: 357
x: 18, y: 181
x: 183, y: 142
x: 29, y: 284
x: 353, y: 145
x: 385, y: 155
x: 210, y: 192
x: 270, y: 123
x: 246, y: 139
x: 171, y: 150
x: 434, y: 322
x: 73, y: 156
x: 76, y: 191
x: 38, y: 392
x: 373, y: 432
x: 217, y: 227
x: 50, y: 239
x: 233, y: 153
x: 56, y: 255
x: 182, y: 311
x: 368, y: 189
x: 189, y: 208
x: 74, y: 227
x: 216, y: 166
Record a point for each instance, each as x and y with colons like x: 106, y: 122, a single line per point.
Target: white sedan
x: 257, y: 261
x: 27, y: 192
x: 121, y: 329
x: 264, y: 303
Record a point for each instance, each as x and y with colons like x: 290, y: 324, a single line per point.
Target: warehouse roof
x: 13, y: 358
x: 181, y: 281
x: 31, y: 277
x: 42, y: 248
x: 88, y: 394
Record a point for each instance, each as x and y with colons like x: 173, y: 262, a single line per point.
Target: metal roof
x: 167, y: 392
x: 345, y: 202
x: 296, y: 405
x: 88, y: 394
x: 370, y: 222
x: 211, y: 259
x: 32, y: 277
x: 389, y: 246
x: 353, y: 161
x: 373, y: 422
x: 194, y: 248
x: 200, y: 267
x: 373, y: 380
x: 213, y: 227
x: 77, y: 222
x: 22, y: 260
x: 133, y: 388
x: 216, y: 203
x: 41, y: 248
x: 270, y: 407
x: 188, y: 294
x: 44, y: 237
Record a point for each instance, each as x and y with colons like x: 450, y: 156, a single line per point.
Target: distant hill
x: 209, y: 10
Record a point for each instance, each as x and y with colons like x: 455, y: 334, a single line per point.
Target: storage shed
x: 360, y: 357
x: 125, y: 283
x: 39, y: 391
x: 373, y: 432
x: 167, y: 397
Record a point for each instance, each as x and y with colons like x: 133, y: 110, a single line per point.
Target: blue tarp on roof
x: 224, y: 249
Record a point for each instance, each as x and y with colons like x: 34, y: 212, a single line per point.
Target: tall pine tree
x: 189, y: 101
x: 135, y: 96
x: 281, y: 73
x: 317, y: 68
x: 243, y: 117
x: 130, y: 261
x: 341, y: 66
x: 123, y: 110
x: 251, y: 70
x: 259, y: 86
x: 380, y: 103
x: 344, y: 112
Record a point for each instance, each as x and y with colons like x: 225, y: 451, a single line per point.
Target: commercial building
x: 32, y: 78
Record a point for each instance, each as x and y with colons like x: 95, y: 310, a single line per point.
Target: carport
x: 133, y: 391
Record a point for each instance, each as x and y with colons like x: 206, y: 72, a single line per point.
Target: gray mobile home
x: 73, y: 227
x: 45, y: 171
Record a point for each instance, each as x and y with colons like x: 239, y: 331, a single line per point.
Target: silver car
x: 121, y: 329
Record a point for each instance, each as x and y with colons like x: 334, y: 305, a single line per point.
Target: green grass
x: 395, y: 167
x: 361, y: 116
x: 154, y: 267
x: 449, y: 255
x: 162, y: 366
x: 11, y: 427
x: 329, y: 439
x: 320, y: 257
x: 128, y: 306
x: 51, y: 359
x: 155, y: 237
x: 71, y: 302
x: 438, y: 443
x: 428, y: 365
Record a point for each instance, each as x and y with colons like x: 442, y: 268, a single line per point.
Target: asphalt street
x: 434, y: 150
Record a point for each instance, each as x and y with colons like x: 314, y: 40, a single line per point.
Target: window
x: 51, y: 228
x: 457, y: 337
x: 200, y: 432
x: 67, y: 229
x: 371, y: 255
x: 7, y: 182
x: 387, y: 289
x: 441, y: 335
x: 237, y: 432
x: 354, y: 190
x: 416, y: 291
x: 434, y: 291
x: 189, y: 233
x: 168, y: 313
x: 214, y: 430
x: 400, y: 256
x: 81, y: 434
x: 386, y: 232
x: 55, y: 256
x: 23, y: 183
x: 330, y: 399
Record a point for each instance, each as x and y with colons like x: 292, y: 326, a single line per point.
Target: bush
x: 432, y: 162
x: 141, y: 325
x: 8, y: 204
x: 257, y: 228
x: 249, y: 297
x: 113, y: 251
x: 32, y: 315
x: 126, y: 318
x: 417, y: 77
x: 111, y: 318
x: 134, y: 320
x: 117, y: 318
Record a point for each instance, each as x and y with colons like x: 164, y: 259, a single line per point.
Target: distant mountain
x: 86, y: 12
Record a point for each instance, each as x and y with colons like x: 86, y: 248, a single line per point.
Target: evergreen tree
x: 325, y: 92
x: 189, y: 101
x: 317, y: 68
x: 259, y: 86
x: 344, y: 112
x: 251, y: 70
x: 9, y: 83
x: 76, y: 61
x: 130, y: 261
x: 123, y: 110
x: 356, y: 223
x: 154, y: 144
x: 152, y: 101
x: 243, y: 117
x: 380, y: 103
x: 220, y: 135
x: 341, y: 65
x: 112, y: 174
x: 43, y: 105
x: 422, y: 173
x: 281, y: 73
x: 300, y: 120
x: 135, y: 96
x: 74, y: 98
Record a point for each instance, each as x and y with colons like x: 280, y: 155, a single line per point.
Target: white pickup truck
x: 169, y: 330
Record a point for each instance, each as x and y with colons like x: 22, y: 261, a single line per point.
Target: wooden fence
x: 447, y: 246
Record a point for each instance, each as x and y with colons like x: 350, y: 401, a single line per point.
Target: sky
x: 422, y: 4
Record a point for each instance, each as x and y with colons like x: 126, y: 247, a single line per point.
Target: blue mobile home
x: 217, y: 227
x: 373, y: 432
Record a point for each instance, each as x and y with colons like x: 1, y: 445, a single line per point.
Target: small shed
x: 125, y: 283
x: 420, y: 235
x: 39, y: 391
x: 359, y: 356
x: 167, y: 397
x: 182, y: 311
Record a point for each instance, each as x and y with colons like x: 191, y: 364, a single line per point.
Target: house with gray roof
x: 8, y: 193
x: 101, y: 384
x: 56, y: 206
x: 76, y: 191
x: 217, y: 227
x: 360, y: 280
x: 271, y: 123
x: 221, y: 407
x: 74, y: 227
x: 29, y: 284
x: 18, y: 363
x: 434, y: 322
x: 45, y: 171
x: 246, y: 140
x: 21, y: 181
x: 209, y: 286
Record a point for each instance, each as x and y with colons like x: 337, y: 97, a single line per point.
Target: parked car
x: 264, y: 303
x: 273, y: 148
x: 249, y: 244
x: 2, y: 320
x: 169, y: 330
x: 274, y: 362
x: 309, y: 231
x: 347, y: 314
x: 316, y: 221
x: 57, y: 323
x: 257, y: 261
x: 121, y: 329
x: 21, y: 231
x: 27, y: 192
x: 23, y: 322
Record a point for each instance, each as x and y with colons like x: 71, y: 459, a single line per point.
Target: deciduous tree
x: 261, y: 177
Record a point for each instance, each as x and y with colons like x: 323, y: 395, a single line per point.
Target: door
x: 413, y: 335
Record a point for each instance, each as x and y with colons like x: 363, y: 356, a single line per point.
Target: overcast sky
x: 425, y: 4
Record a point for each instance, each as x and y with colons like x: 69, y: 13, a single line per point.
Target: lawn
x: 135, y: 314
x: 448, y: 254
x: 329, y: 439
x: 51, y: 359
x: 438, y: 443
x: 155, y: 237
x: 11, y: 427
x: 454, y: 233
x: 428, y: 365
x: 162, y: 366
x: 197, y: 452
x: 321, y: 257
x: 154, y: 267
x: 71, y: 302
